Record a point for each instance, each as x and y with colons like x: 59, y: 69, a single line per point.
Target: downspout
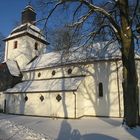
x: 118, y: 87
x: 74, y: 104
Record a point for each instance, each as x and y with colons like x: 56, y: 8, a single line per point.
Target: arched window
x: 69, y: 71
x: 100, y: 89
x: 15, y: 44
x: 36, y: 46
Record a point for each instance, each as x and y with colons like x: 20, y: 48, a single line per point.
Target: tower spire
x: 28, y: 14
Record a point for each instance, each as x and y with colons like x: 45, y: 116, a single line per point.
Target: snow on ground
x: 14, y: 127
x: 11, y: 131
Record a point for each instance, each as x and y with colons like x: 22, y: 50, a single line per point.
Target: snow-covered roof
x: 13, y: 67
x: 29, y: 7
x: 52, y: 85
x: 27, y: 28
x: 97, y: 51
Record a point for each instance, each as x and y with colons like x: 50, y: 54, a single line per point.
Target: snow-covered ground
x: 14, y: 127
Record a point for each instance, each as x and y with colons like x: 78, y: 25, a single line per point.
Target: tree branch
x: 100, y: 10
x: 82, y: 19
x: 77, y: 9
x: 135, y: 11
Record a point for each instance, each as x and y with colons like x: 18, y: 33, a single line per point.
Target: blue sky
x: 10, y: 13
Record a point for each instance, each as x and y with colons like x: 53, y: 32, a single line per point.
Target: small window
x: 41, y: 98
x: 15, y: 44
x: 69, y: 71
x: 26, y: 98
x: 53, y: 72
x: 58, y: 98
x: 100, y: 89
x: 39, y: 74
x: 36, y: 46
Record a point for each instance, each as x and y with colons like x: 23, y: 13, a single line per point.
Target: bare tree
x: 63, y: 38
x: 117, y: 19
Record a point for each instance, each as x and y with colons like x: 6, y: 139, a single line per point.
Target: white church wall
x: 88, y: 101
x: 108, y: 105
x: 2, y: 98
x: 48, y: 73
x: 79, y: 104
x: 85, y: 101
x: 13, y: 52
x: 24, y: 51
x: 31, y: 44
x: 48, y: 107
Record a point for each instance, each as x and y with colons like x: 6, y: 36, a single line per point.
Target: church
x: 80, y: 82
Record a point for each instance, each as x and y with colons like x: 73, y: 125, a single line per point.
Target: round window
x: 53, y: 72
x: 41, y: 98
x: 39, y: 74
x: 58, y: 98
x: 26, y: 98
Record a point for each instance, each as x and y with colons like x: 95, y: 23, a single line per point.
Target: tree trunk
x: 130, y: 89
x: 130, y: 81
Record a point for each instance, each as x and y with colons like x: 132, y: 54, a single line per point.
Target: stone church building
x: 66, y: 84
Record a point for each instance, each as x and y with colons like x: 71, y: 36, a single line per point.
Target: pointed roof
x: 29, y: 30
x: 28, y: 15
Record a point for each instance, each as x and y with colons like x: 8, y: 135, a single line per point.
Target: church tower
x: 26, y: 41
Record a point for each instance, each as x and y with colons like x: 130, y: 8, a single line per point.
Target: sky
x: 10, y: 13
